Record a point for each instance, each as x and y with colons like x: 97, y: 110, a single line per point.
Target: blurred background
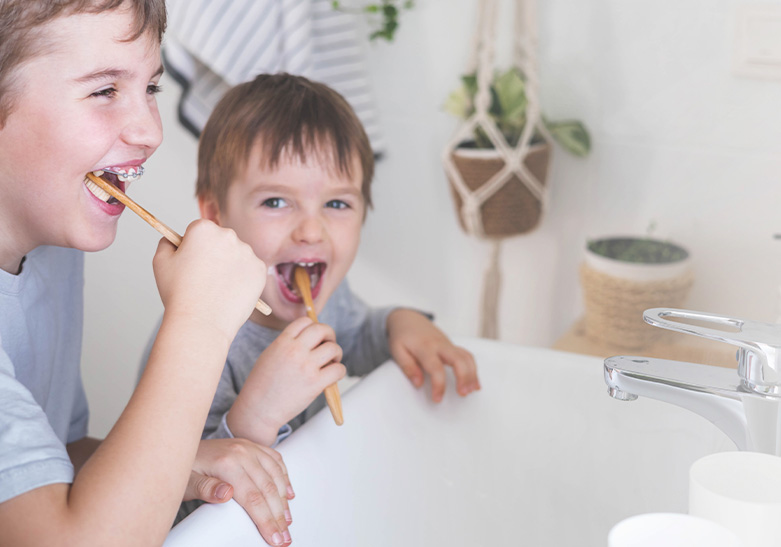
x: 681, y: 139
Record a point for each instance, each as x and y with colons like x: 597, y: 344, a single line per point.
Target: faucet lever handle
x: 759, y: 357
x: 750, y: 335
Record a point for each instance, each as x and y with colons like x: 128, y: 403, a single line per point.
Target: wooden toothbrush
x: 301, y: 276
x: 164, y: 230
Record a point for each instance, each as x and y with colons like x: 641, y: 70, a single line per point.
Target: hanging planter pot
x: 621, y: 277
x: 502, y: 167
x: 501, y: 191
x: 512, y: 209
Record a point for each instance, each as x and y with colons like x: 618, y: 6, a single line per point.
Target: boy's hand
x: 293, y: 370
x: 212, y: 276
x: 421, y: 348
x: 254, y: 475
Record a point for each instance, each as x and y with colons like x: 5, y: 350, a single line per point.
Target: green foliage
x: 508, y: 111
x: 639, y: 250
x: 387, y: 10
x: 571, y: 135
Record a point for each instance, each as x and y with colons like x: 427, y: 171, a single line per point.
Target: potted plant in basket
x: 622, y: 277
x: 508, y: 110
x: 513, y: 209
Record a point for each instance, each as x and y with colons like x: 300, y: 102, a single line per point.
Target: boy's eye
x: 105, y: 92
x: 337, y: 204
x: 274, y: 203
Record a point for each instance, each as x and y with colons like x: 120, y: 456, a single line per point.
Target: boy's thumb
x: 208, y: 489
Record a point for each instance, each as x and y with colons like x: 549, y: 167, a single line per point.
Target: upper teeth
x: 306, y: 264
x: 123, y: 174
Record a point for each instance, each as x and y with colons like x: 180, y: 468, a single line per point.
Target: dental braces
x: 133, y: 176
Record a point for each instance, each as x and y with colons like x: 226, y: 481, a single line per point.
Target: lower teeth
x: 98, y: 192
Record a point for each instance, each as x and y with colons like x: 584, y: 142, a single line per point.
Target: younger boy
x: 285, y: 163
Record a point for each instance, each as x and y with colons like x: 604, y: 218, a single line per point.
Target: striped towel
x: 212, y: 45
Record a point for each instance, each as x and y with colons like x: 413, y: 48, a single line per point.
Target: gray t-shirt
x: 360, y: 331
x: 42, y: 401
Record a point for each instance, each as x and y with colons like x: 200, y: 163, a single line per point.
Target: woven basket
x: 615, y: 306
x: 513, y: 209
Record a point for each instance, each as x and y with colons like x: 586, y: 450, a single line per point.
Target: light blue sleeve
x: 31, y: 454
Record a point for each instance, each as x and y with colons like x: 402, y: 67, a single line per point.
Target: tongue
x: 286, y: 271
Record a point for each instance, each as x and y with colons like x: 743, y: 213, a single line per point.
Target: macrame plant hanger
x: 482, y: 63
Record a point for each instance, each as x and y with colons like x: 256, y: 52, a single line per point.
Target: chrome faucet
x: 746, y: 406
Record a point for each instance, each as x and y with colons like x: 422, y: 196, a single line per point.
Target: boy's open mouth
x: 314, y: 269
x: 117, y: 176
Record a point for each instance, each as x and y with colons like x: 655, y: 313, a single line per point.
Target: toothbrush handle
x: 164, y: 230
x: 332, y: 396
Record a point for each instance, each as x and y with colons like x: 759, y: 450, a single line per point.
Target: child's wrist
x: 396, y: 316
x: 247, y: 425
x: 197, y: 327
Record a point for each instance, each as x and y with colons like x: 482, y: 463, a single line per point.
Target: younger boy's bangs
x: 307, y: 146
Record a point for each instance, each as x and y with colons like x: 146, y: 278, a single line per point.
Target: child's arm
x: 81, y: 450
x: 128, y: 492
x: 421, y: 348
x: 295, y: 368
x: 256, y: 471
x: 243, y: 471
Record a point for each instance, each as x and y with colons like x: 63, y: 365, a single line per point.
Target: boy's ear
x: 209, y: 208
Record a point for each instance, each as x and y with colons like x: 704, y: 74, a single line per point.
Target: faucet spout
x: 749, y: 419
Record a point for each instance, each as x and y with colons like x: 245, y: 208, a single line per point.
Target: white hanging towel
x: 212, y: 45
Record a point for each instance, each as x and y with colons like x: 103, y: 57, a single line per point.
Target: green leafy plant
x: 508, y: 111
x: 638, y: 250
x: 388, y: 10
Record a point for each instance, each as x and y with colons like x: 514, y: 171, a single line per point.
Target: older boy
x: 285, y: 162
x: 77, y: 86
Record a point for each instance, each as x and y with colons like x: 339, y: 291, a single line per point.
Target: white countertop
x: 540, y: 456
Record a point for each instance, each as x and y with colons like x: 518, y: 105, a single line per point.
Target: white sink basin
x: 541, y: 456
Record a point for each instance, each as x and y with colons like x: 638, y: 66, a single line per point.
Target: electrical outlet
x: 757, y: 42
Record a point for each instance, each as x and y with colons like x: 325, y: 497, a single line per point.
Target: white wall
x: 677, y: 141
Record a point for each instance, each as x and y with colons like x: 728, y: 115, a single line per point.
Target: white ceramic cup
x: 670, y: 530
x: 742, y: 492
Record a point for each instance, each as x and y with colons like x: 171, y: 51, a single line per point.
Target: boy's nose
x: 142, y: 126
x: 308, y: 230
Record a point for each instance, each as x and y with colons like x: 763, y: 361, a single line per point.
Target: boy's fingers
x: 409, y: 366
x: 464, y: 368
x: 470, y: 359
x: 315, y: 334
x: 295, y: 328
x: 165, y: 247
x: 164, y: 250
x: 327, y: 353
x: 277, y: 457
x: 432, y: 364
x: 266, y: 508
x: 208, y: 489
x: 332, y: 373
x: 274, y: 467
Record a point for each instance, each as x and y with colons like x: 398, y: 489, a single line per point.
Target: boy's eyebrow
x: 281, y: 188
x: 111, y: 74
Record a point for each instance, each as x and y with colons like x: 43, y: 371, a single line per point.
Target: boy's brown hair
x: 21, y: 37
x: 288, y: 116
